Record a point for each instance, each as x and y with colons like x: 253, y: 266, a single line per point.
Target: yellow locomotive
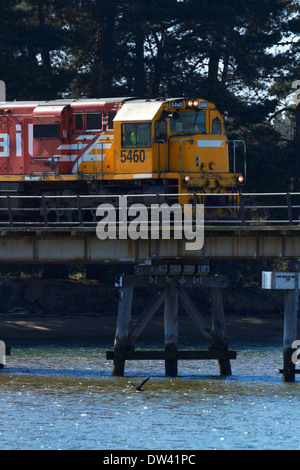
x: 171, y: 146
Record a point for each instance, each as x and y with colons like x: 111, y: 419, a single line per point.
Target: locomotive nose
x: 205, y: 154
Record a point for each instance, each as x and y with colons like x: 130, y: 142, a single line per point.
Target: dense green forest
x: 241, y: 54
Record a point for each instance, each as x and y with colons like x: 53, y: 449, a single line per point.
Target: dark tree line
x: 241, y: 54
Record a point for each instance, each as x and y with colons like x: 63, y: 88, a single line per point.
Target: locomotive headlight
x: 241, y: 179
x: 187, y: 178
x: 196, y: 104
x: 190, y: 103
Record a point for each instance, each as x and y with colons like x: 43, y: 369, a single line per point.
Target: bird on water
x: 139, y: 388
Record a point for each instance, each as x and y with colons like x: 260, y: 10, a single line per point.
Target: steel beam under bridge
x: 81, y: 245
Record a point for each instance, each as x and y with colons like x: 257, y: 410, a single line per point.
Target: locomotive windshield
x: 191, y: 121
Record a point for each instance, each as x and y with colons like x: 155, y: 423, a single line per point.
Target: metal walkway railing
x: 247, y: 209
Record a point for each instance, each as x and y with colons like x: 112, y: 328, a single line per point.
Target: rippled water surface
x: 62, y: 396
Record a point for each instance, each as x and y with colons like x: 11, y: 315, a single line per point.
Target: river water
x: 61, y: 395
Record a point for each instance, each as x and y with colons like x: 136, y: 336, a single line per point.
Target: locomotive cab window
x: 161, y: 132
x: 136, y: 135
x: 46, y: 131
x: 79, y: 122
x: 94, y: 121
x: 188, y: 122
x: 216, y: 126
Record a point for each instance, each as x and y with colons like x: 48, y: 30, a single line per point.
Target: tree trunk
x: 45, y: 53
x: 225, y: 71
x: 139, y: 78
x: 102, y: 74
x: 157, y: 73
x: 213, y: 67
x: 297, y: 128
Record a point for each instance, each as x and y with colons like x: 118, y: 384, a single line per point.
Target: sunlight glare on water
x: 62, y: 396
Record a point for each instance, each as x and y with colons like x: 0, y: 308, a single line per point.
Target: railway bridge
x: 260, y: 226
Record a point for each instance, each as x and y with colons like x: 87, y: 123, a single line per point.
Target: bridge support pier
x: 290, y: 282
x: 122, y: 342
x: 290, y: 333
x: 171, y: 330
x: 5, y: 350
x: 168, y: 289
x: 218, y: 327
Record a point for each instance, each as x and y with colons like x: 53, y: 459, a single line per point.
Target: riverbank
x: 33, y: 307
x: 258, y: 327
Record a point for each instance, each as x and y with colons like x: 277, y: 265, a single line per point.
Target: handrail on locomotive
x: 244, y: 162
